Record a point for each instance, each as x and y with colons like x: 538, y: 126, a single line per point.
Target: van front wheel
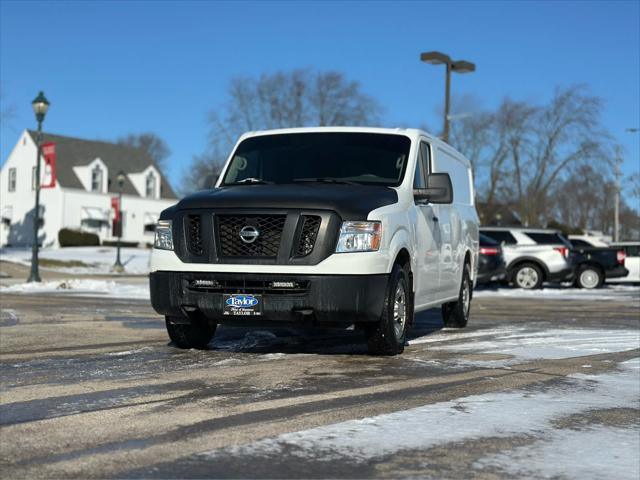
x: 196, y: 334
x: 456, y: 314
x: 388, y: 336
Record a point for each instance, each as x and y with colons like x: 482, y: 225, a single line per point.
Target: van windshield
x: 362, y: 158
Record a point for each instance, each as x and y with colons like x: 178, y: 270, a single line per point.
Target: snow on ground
x: 82, y: 287
x: 559, y: 292
x: 593, y: 452
x: 97, y: 260
x: 523, y: 344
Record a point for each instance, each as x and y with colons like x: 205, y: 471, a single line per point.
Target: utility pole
x: 616, y: 207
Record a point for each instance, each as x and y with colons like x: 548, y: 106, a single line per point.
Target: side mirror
x: 439, y: 189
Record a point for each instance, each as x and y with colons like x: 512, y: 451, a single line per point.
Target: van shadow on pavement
x: 326, y: 341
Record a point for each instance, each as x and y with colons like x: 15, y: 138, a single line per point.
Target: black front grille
x: 266, y: 244
x: 308, y: 234
x: 265, y: 287
x: 194, y: 234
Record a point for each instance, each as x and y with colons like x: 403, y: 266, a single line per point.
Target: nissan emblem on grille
x: 249, y: 234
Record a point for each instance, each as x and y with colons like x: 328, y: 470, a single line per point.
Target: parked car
x: 533, y: 256
x: 632, y: 261
x: 322, y: 226
x: 491, y: 266
x: 594, y: 264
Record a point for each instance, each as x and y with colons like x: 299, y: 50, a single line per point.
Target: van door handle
x: 435, y: 219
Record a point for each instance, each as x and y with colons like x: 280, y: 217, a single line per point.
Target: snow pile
x: 96, y: 260
x: 553, y: 450
x: 82, y: 287
x: 607, y: 292
x: 523, y: 344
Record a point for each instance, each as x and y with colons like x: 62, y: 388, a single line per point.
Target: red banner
x: 115, y: 205
x: 49, y: 154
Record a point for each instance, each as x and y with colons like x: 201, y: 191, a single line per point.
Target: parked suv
x: 533, y: 256
x: 321, y: 226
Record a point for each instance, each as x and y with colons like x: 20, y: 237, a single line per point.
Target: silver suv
x: 533, y: 256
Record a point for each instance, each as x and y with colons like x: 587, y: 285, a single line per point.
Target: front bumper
x: 325, y: 299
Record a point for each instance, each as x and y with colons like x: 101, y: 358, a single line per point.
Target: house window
x: 151, y: 185
x: 12, y: 179
x: 33, y: 178
x: 96, y: 179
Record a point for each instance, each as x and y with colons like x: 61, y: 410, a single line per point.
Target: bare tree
x: 155, y: 146
x: 296, y: 98
x: 564, y: 132
x: 633, y: 185
x: 522, y: 152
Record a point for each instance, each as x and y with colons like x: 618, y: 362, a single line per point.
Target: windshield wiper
x: 251, y: 180
x: 324, y: 180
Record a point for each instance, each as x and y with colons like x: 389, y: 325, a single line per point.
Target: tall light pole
x: 40, y: 106
x: 616, y: 205
x: 458, y: 66
x: 118, y: 267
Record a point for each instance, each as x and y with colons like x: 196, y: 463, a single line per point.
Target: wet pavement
x: 91, y: 387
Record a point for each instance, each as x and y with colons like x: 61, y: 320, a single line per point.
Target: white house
x: 86, y: 173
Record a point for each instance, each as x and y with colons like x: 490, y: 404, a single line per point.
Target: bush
x: 76, y: 238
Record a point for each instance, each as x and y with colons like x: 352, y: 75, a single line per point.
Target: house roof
x: 76, y: 152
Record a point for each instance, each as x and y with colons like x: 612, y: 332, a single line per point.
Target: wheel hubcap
x: 527, y: 277
x: 399, y: 311
x: 466, y: 298
x: 589, y: 279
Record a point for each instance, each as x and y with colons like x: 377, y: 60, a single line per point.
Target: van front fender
x: 400, y: 241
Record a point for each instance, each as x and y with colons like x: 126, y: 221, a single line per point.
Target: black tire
x: 197, y: 334
x: 456, y: 314
x: 589, y: 277
x: 528, y: 276
x: 388, y: 336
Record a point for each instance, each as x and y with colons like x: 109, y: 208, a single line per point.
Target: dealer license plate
x: 242, y: 305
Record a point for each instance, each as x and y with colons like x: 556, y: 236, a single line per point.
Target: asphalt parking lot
x: 540, y: 386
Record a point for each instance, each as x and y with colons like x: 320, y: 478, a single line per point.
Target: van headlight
x: 359, y: 237
x: 164, y: 236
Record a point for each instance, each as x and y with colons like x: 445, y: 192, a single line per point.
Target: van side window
x: 426, y: 157
x: 422, y: 167
x: 419, y: 178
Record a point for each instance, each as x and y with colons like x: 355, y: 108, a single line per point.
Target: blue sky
x: 111, y: 68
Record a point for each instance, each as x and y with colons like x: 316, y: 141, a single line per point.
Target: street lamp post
x: 40, y: 106
x: 616, y: 203
x: 118, y: 267
x: 459, y: 66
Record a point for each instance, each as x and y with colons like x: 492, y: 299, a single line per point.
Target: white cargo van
x: 321, y: 226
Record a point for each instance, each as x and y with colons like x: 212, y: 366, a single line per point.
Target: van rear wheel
x: 456, y: 314
x: 196, y: 334
x: 389, y: 335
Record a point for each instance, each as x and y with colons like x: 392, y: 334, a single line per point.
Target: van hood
x: 351, y: 202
